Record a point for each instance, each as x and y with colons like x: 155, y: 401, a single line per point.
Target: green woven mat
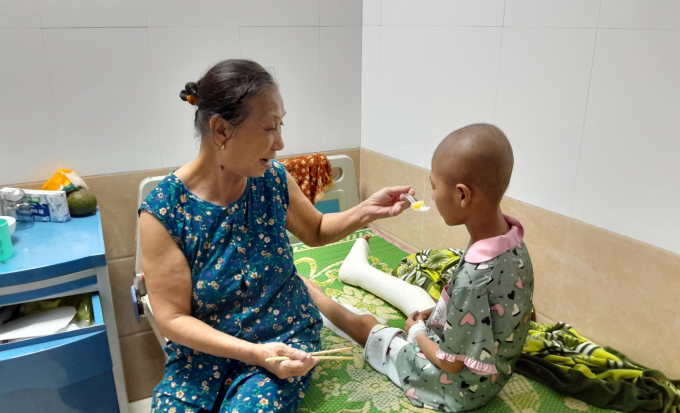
x: 353, y: 386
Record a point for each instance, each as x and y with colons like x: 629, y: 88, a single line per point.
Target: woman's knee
x: 167, y: 404
x: 264, y: 393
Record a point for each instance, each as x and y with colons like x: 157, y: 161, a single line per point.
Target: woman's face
x: 254, y: 142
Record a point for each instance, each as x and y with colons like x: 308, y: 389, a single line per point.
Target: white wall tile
x: 19, y: 13
x: 370, y: 86
x: 371, y: 12
x: 406, y: 13
x: 629, y: 173
x: 29, y: 138
x: 463, y: 82
x: 87, y: 13
x: 340, y: 118
x: 542, y: 92
x: 640, y: 14
x: 341, y: 12
x: 278, y: 12
x: 551, y: 13
x: 171, y: 70
x: 468, y: 12
x: 405, y: 55
x: 101, y: 82
x: 198, y: 13
x: 294, y: 54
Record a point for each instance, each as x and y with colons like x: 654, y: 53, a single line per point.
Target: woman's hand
x: 411, y: 320
x: 388, y: 202
x: 300, y: 363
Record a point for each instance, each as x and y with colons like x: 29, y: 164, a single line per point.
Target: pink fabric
x: 490, y: 248
x: 445, y: 294
x: 477, y: 367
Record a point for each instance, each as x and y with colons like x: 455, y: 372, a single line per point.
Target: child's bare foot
x: 367, y: 237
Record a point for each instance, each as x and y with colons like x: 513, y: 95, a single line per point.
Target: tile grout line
x: 585, y: 116
x: 500, y: 59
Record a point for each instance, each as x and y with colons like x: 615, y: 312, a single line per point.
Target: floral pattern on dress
x: 243, y: 277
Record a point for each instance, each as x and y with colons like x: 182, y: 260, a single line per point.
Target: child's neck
x: 487, y: 225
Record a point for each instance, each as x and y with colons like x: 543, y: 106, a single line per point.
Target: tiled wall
x: 587, y: 91
x: 613, y: 289
x: 94, y: 86
x: 117, y: 199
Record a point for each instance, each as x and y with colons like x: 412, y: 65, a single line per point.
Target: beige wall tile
x: 120, y: 276
x: 545, y: 234
x: 117, y: 199
x: 143, y: 361
x: 623, y: 293
x: 380, y: 171
x: 540, y: 318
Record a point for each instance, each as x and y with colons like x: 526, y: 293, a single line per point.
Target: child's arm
x: 429, y: 347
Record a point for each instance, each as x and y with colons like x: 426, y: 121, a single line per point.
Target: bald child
x: 458, y: 354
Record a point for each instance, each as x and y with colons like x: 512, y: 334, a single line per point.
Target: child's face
x: 446, y: 198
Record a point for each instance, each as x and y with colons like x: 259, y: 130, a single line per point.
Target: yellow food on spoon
x: 417, y: 205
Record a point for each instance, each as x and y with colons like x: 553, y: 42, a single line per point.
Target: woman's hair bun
x: 189, y: 93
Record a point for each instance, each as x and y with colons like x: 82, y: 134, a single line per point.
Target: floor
x: 141, y: 406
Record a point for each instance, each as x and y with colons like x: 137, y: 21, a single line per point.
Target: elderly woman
x: 218, y: 263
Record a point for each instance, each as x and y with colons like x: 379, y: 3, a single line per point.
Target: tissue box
x: 47, y: 206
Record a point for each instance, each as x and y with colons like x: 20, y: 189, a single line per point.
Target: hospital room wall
x: 586, y: 90
x: 94, y: 86
x: 588, y: 94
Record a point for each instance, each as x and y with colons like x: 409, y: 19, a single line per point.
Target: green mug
x: 6, y: 250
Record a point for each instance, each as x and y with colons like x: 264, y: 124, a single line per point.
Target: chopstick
x: 317, y: 355
x: 283, y: 358
x: 337, y: 350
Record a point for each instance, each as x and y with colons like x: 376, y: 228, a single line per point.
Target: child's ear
x: 463, y: 193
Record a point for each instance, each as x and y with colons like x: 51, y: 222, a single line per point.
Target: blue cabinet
x: 77, y: 371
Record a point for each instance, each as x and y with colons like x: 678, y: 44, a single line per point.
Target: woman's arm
x: 316, y: 229
x: 168, y: 282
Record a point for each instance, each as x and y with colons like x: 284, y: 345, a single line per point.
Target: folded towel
x: 313, y: 174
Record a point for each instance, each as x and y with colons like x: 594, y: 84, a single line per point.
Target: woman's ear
x: 221, y: 131
x: 463, y: 193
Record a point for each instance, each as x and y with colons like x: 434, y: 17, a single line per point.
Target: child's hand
x: 411, y: 320
x: 425, y: 315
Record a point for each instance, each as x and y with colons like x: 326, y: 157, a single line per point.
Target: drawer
x: 71, y: 284
x: 19, y: 348
x: 72, y: 374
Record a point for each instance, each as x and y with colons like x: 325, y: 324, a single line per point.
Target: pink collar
x: 490, y: 248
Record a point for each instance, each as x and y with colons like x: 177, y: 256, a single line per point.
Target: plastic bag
x: 82, y: 303
x: 64, y: 180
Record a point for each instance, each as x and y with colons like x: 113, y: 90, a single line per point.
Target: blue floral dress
x: 244, y: 284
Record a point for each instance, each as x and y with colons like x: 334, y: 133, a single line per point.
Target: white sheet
x: 38, y: 325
